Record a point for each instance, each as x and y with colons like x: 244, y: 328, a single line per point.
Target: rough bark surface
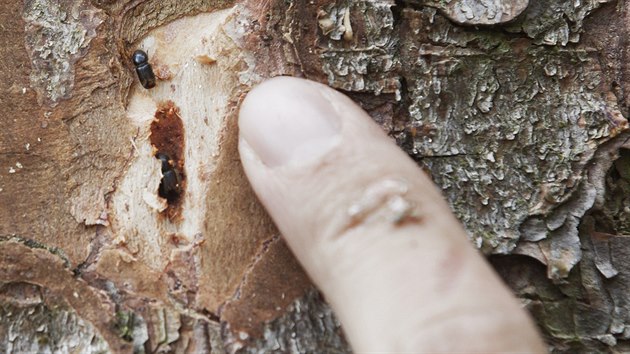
x: 518, y: 110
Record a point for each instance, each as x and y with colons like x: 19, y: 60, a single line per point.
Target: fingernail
x: 289, y: 121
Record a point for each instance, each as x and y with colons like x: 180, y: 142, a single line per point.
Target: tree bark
x: 516, y: 109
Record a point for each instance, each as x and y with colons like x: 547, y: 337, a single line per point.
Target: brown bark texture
x: 517, y: 109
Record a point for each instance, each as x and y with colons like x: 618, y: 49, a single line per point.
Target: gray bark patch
x: 57, y: 35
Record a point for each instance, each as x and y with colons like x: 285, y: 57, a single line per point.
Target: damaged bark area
x: 518, y: 110
x: 203, y: 272
x: 167, y: 139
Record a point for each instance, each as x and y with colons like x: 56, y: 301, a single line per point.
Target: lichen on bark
x: 505, y: 126
x: 357, y: 47
x: 57, y: 35
x: 34, y: 327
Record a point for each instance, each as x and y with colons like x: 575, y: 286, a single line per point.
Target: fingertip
x: 288, y: 121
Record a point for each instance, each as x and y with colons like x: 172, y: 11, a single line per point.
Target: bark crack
x: 264, y: 248
x: 30, y: 243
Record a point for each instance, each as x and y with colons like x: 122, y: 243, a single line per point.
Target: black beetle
x: 143, y: 69
x: 170, y: 187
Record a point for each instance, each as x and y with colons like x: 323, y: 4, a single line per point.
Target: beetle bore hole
x: 167, y: 138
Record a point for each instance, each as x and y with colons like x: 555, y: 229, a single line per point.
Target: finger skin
x: 412, y: 286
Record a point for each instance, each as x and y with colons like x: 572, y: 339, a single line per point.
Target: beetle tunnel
x: 167, y: 139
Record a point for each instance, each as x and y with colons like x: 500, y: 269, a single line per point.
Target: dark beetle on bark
x: 143, y: 69
x: 170, y: 184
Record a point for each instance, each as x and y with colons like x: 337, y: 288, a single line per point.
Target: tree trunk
x: 516, y: 109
